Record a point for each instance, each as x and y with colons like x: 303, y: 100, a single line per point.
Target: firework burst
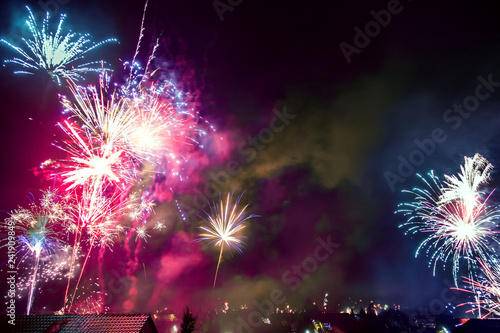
x: 141, y: 233
x: 55, y: 52
x: 455, y: 216
x: 37, y: 230
x: 159, y: 225
x: 162, y: 125
x: 92, y: 161
x: 225, y: 222
x: 116, y: 133
x: 106, y: 116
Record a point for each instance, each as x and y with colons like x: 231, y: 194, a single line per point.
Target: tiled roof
x: 111, y: 323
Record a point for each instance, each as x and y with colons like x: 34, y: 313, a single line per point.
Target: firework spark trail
x: 74, y: 252
x: 89, y: 163
x: 456, y: 216
x: 90, y: 300
x: 141, y: 34
x: 51, y: 267
x: 132, y: 253
x: 33, y: 283
x: 100, y: 276
x: 161, y: 127
x: 37, y: 228
x: 143, y: 124
x: 97, y: 215
x: 97, y: 165
x: 225, y: 221
x: 55, y: 52
x: 81, y: 271
x: 487, y: 289
x: 139, y: 209
x: 466, y: 186
x: 107, y: 116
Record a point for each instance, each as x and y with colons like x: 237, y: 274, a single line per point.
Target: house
x: 110, y: 323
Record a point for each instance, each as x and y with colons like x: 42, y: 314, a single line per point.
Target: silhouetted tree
x: 362, y: 311
x: 371, y: 309
x: 188, y: 321
x: 310, y: 308
x: 395, y: 321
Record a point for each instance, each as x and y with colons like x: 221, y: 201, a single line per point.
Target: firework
x: 55, y: 52
x: 97, y: 216
x: 159, y: 225
x: 117, y: 132
x: 162, y: 126
x: 225, y: 222
x: 53, y: 266
x: 466, y: 186
x: 36, y: 228
x: 486, y: 289
x: 89, y: 300
x: 104, y: 161
x: 455, y: 216
x: 141, y: 233
x: 139, y: 207
x: 112, y: 137
x: 106, y: 116
x: 91, y: 161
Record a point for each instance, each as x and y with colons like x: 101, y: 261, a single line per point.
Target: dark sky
x: 324, y: 175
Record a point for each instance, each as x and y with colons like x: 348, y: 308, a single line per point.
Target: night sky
x: 322, y: 174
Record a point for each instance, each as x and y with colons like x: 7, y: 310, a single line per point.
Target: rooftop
x: 111, y: 323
